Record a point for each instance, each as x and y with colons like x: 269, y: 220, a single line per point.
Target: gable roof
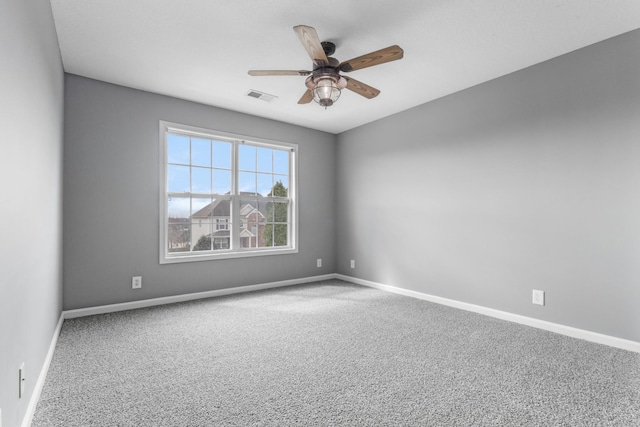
x: 222, y: 208
x: 219, y: 207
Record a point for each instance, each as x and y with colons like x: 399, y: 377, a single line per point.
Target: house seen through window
x: 225, y: 195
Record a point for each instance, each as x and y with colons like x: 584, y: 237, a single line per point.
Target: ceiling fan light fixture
x: 326, y: 90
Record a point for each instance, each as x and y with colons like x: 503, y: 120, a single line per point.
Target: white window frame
x: 167, y: 257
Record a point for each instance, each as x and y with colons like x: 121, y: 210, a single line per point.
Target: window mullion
x: 235, y: 199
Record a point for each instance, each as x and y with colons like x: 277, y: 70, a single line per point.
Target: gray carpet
x: 329, y: 353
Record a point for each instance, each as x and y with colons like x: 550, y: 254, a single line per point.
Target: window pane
x: 201, y: 208
x: 178, y: 209
x: 280, y: 236
x: 249, y: 213
x: 201, y: 180
x: 221, y: 181
x: 178, y: 180
x: 177, y: 149
x: 280, y: 212
x: 178, y: 237
x: 247, y: 182
x: 281, y: 162
x: 265, y: 160
x: 247, y: 157
x: 250, y: 216
x: 201, y: 235
x: 265, y: 235
x: 178, y: 229
x: 265, y: 184
x: 222, y: 154
x: 266, y: 211
x: 281, y: 187
x: 220, y: 209
x: 221, y: 225
x: 200, y: 152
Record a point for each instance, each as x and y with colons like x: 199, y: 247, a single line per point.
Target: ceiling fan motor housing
x: 328, y: 47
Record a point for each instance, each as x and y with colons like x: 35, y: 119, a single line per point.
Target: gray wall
x: 530, y: 181
x: 111, y: 182
x: 31, y: 108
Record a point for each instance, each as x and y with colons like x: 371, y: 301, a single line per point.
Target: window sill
x: 177, y: 258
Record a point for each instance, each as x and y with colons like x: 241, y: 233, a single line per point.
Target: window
x: 224, y: 195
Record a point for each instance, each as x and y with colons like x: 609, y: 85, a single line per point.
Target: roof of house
x: 222, y: 208
x: 219, y: 207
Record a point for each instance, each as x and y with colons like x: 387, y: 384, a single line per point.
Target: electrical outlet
x: 538, y: 297
x: 319, y: 262
x: 136, y: 282
x: 353, y: 263
x: 21, y: 381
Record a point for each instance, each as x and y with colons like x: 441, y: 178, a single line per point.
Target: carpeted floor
x: 329, y: 353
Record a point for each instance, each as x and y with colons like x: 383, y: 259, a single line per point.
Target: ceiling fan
x: 324, y: 83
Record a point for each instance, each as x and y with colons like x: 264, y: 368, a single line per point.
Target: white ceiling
x: 201, y: 50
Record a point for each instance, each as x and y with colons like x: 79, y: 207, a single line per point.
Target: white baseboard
x: 37, y: 390
x: 511, y: 317
x: 111, y: 308
x: 516, y: 318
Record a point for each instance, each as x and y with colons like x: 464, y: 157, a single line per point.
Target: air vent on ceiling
x: 260, y: 95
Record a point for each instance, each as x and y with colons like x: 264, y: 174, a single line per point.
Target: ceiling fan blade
x: 306, y: 98
x: 309, y: 38
x: 279, y: 73
x: 361, y: 88
x: 378, y: 57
